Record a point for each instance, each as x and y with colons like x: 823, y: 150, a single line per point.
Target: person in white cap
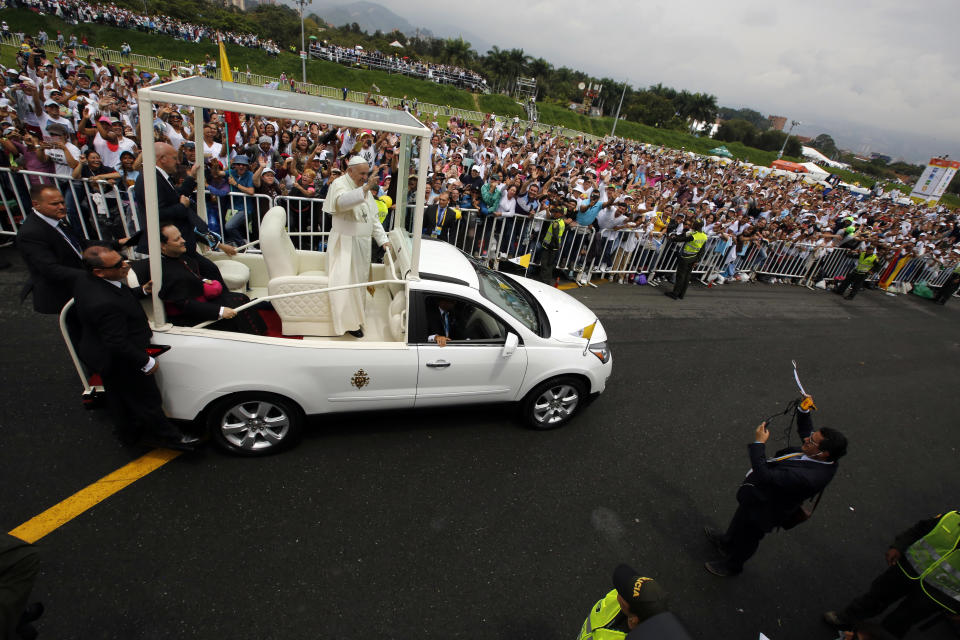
x: 353, y: 209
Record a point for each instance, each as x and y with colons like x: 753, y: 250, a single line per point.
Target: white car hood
x: 567, y: 315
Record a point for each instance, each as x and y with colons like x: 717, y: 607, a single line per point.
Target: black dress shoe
x: 715, y: 538
x: 671, y: 294
x: 357, y: 333
x: 182, y: 442
x: 722, y: 569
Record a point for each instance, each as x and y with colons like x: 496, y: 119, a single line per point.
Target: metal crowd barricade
x: 236, y: 216
x: 305, y: 216
x: 98, y: 210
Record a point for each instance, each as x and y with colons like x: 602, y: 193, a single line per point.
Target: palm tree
x: 516, y: 64
x: 497, y: 64
x: 703, y: 107
x: 458, y: 52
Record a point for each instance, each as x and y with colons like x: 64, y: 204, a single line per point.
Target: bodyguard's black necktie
x: 71, y: 237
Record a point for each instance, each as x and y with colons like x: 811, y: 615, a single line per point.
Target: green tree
x: 458, y: 52
x: 738, y: 130
x: 703, y: 107
x: 825, y: 144
x: 650, y: 109
x: 793, y: 148
x: 755, y: 118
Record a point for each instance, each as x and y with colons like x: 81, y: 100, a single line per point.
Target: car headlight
x: 601, y: 350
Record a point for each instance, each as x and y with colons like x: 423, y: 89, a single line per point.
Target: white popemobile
x: 519, y: 340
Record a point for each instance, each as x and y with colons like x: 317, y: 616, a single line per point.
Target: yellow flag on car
x: 523, y: 261
x: 224, y: 65
x: 587, y: 331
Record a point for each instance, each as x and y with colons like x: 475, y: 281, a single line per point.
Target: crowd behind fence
x: 153, y: 63
x: 104, y: 211
x: 395, y: 64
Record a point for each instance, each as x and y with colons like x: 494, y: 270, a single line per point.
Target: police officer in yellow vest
x: 866, y: 262
x: 953, y: 282
x: 924, y: 576
x: 553, y: 231
x: 633, y: 600
x: 693, y: 242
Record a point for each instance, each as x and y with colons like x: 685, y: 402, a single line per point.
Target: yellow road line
x: 65, y: 511
x: 573, y: 285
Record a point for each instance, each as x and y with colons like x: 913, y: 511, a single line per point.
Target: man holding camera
x: 774, y: 490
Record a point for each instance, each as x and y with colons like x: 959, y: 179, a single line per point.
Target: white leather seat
x: 291, y: 270
x: 235, y: 274
x: 397, y: 317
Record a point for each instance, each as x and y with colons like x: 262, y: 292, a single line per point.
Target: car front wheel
x: 255, y: 424
x: 552, y: 403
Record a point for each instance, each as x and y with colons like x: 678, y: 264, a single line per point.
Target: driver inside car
x: 442, y: 321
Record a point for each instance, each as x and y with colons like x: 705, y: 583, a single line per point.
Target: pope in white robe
x: 355, y: 219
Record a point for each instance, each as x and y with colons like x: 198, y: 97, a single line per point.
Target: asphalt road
x: 462, y: 524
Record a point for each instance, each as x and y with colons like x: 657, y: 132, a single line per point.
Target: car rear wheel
x: 553, y: 403
x: 255, y: 424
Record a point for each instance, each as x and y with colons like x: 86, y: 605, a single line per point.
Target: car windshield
x: 505, y: 294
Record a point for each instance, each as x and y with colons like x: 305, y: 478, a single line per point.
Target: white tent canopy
x: 816, y: 156
x: 815, y: 172
x: 396, y: 43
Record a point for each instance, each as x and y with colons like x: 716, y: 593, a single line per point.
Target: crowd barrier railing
x: 104, y: 211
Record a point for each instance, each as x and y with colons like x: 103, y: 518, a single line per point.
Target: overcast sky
x: 882, y: 73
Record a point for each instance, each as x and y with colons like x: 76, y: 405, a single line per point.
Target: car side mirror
x: 510, y: 345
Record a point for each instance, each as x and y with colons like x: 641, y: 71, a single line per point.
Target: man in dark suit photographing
x: 775, y: 489
x: 116, y: 335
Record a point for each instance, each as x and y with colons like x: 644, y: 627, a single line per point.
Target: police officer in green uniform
x: 693, y: 241
x: 924, y: 576
x: 950, y: 286
x: 866, y: 262
x: 550, y: 245
x: 633, y: 600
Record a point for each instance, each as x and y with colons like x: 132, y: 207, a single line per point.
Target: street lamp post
x: 617, y: 117
x: 793, y: 123
x: 303, y: 48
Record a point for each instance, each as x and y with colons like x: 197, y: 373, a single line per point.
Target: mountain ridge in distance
x: 369, y: 15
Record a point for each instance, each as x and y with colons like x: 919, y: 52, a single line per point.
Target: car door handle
x: 438, y: 364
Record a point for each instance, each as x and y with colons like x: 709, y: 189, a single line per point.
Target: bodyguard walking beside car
x: 116, y: 335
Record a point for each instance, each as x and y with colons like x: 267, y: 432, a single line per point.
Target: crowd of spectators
x: 78, y: 118
x: 396, y: 63
x: 80, y: 12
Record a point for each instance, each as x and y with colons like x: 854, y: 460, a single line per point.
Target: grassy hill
x: 337, y: 75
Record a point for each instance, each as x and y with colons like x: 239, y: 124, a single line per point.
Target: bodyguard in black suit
x: 775, y: 489
x: 173, y: 203
x: 116, y: 335
x: 51, y: 249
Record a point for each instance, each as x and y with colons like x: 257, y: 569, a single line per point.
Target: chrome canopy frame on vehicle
x: 202, y: 93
